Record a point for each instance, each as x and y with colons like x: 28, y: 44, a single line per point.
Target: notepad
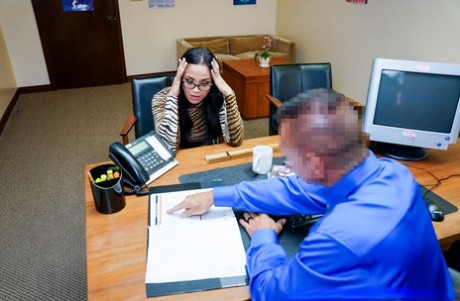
x: 192, y: 254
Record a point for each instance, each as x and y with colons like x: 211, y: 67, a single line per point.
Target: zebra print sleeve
x: 166, y: 117
x: 231, y: 121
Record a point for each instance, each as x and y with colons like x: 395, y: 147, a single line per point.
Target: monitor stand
x: 401, y: 152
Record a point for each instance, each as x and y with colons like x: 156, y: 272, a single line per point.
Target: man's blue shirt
x: 375, y: 240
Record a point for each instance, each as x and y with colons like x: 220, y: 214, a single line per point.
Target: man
x: 375, y: 240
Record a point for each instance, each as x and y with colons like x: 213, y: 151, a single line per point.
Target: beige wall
x: 7, y: 81
x: 21, y: 36
x: 351, y: 35
x: 347, y: 35
x: 148, y: 34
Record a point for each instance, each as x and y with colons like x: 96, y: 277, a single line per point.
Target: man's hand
x: 255, y: 221
x: 194, y: 204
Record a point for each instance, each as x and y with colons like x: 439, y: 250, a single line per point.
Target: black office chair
x: 143, y: 89
x: 288, y: 80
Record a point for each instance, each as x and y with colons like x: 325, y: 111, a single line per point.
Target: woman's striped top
x: 166, y: 117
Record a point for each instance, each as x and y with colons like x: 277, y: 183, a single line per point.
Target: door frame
x: 47, y: 50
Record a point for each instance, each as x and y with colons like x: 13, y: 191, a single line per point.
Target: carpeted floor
x: 49, y: 138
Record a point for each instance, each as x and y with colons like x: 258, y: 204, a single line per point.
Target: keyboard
x: 431, y: 199
x: 302, y: 220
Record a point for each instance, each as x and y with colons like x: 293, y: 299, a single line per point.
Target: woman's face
x: 199, y: 78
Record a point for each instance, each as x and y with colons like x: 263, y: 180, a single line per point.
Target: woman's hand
x: 175, y: 87
x: 221, y: 84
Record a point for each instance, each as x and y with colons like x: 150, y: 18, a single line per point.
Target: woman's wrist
x: 227, y: 93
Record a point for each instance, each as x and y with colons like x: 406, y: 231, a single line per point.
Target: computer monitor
x: 412, y: 106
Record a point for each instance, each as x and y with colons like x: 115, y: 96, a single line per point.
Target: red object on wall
x: 357, y: 1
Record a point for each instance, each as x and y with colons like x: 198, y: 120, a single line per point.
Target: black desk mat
x: 229, y: 175
x: 243, y: 172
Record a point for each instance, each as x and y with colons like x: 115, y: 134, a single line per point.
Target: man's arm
x: 279, y: 196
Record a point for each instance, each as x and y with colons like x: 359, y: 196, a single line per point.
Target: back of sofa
x: 214, y: 44
x: 236, y: 47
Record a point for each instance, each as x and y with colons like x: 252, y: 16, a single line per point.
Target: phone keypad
x: 150, y: 160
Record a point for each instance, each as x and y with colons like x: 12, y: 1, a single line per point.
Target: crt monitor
x: 412, y: 106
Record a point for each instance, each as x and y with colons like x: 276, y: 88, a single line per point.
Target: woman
x: 199, y: 106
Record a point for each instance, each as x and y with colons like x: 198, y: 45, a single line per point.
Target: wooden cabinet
x: 251, y: 84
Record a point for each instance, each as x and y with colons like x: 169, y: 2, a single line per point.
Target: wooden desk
x: 251, y: 84
x: 116, y: 244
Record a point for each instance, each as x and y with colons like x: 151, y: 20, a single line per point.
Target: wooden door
x: 82, y: 48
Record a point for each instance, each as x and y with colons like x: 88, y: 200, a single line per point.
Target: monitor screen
x: 412, y: 106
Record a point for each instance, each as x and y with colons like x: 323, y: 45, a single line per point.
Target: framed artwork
x: 78, y: 5
x: 161, y: 3
x: 244, y: 2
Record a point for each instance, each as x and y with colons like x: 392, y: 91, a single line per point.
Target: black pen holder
x: 107, y: 193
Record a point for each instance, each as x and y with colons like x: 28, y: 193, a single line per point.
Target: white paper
x: 199, y: 247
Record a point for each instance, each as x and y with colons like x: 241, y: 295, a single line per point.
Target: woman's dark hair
x: 212, y: 102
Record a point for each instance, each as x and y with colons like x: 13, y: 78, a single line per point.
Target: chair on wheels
x: 288, y: 80
x: 143, y: 89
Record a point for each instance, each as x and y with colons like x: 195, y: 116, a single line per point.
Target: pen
x: 90, y: 177
x: 156, y: 210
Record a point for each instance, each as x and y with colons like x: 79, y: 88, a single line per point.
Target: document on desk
x: 192, y: 254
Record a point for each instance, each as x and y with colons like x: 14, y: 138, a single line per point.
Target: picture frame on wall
x: 78, y: 5
x: 244, y: 2
x: 161, y: 3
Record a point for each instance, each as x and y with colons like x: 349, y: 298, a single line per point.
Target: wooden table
x: 251, y: 84
x: 116, y: 244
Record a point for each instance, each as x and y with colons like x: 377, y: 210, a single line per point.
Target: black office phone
x: 143, y: 160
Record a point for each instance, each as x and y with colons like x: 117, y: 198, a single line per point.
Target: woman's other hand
x: 175, y: 88
x: 221, y: 84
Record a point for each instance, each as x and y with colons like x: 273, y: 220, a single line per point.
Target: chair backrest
x: 288, y: 80
x: 143, y: 89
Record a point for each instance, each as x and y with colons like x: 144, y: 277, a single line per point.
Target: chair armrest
x: 129, y: 123
x: 356, y: 105
x: 275, y: 101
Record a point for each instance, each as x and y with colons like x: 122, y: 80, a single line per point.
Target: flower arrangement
x: 267, y: 46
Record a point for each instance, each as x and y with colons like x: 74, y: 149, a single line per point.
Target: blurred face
x: 302, y: 158
x: 314, y: 144
x: 196, y: 83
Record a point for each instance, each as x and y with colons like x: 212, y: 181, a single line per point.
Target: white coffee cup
x: 262, y: 159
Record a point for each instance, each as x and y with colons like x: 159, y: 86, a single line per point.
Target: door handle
x: 110, y: 19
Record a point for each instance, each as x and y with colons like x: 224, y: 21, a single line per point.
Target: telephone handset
x: 143, y: 160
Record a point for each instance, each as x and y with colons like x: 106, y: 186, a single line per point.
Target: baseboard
x: 8, y: 111
x: 15, y: 98
x: 35, y: 89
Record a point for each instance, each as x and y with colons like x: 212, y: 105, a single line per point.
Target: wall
x: 7, y: 81
x: 351, y: 35
x: 347, y: 35
x: 149, y: 35
x: 21, y: 37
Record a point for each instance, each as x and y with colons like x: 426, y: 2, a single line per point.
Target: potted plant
x: 264, y: 56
